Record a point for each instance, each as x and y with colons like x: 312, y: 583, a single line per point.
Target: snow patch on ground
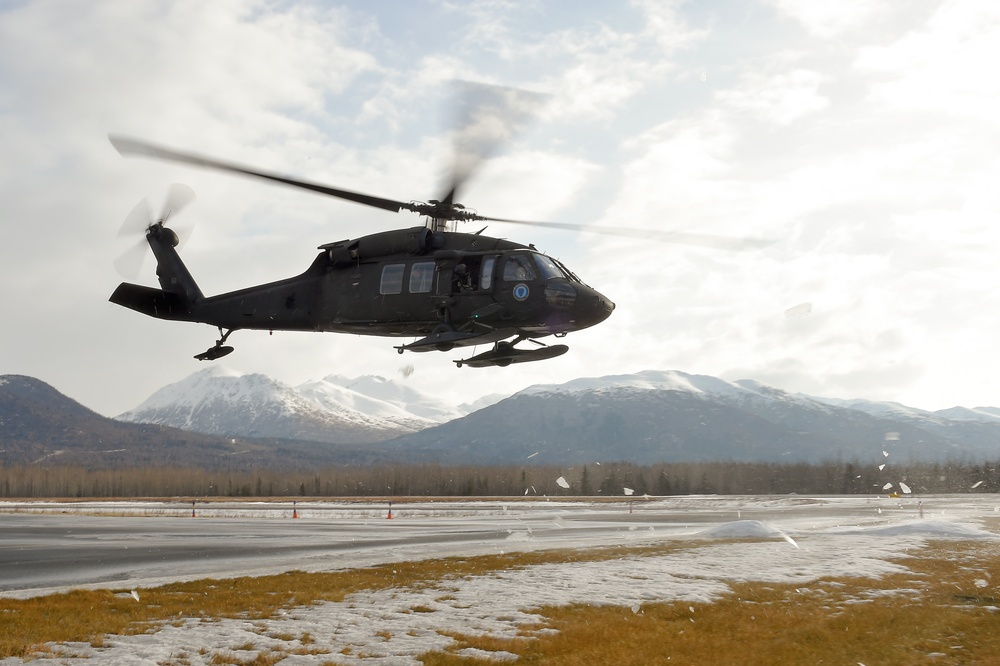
x: 394, y: 626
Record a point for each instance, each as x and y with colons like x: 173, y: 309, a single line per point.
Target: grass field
x: 941, y: 609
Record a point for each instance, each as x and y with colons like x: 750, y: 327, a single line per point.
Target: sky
x: 859, y: 138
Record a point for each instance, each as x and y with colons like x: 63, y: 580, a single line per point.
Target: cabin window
x: 392, y: 279
x: 517, y: 268
x: 486, y: 275
x: 421, y: 277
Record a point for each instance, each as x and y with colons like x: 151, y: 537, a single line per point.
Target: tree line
x: 418, y: 480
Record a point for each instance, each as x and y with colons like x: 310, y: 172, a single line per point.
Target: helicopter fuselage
x: 445, y: 288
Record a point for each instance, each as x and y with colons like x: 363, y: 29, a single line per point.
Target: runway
x: 48, y: 547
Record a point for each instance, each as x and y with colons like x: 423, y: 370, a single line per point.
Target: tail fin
x: 171, y: 271
x: 179, y: 294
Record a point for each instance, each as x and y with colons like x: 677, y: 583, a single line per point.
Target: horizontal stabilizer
x: 150, y: 301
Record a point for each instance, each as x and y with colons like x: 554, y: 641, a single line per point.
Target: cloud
x: 781, y: 98
x: 939, y: 68
x: 828, y: 20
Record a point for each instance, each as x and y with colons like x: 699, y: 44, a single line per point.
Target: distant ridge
x: 669, y: 416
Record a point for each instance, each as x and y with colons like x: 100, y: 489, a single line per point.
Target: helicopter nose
x: 596, y: 308
x: 605, y: 305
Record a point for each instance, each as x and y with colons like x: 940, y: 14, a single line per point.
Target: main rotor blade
x: 486, y: 116
x: 127, y: 146
x: 679, y: 237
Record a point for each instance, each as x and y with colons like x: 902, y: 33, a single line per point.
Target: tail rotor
x: 141, y: 221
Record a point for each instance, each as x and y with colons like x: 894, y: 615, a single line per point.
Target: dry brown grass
x: 88, y: 615
x: 935, y: 614
x: 939, y: 612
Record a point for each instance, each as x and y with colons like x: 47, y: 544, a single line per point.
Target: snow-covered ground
x: 812, y: 538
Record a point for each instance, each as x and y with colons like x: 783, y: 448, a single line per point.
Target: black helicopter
x: 444, y: 288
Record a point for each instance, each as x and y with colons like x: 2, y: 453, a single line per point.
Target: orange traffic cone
x: 389, y: 517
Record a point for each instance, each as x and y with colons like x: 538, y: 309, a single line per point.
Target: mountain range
x: 41, y: 426
x: 648, y: 417
x: 335, y: 409
x: 657, y: 416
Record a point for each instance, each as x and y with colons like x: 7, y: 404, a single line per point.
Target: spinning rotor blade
x: 129, y: 263
x: 178, y: 196
x: 140, y: 220
x: 126, y: 147
x: 678, y: 237
x: 486, y: 117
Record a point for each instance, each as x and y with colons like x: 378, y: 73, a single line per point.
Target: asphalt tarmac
x: 49, y: 547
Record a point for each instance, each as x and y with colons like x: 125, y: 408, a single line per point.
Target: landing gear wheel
x: 219, y: 349
x: 443, y: 330
x: 504, y: 347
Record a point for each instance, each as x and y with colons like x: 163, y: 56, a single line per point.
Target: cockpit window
x: 486, y: 275
x: 518, y: 267
x: 548, y: 268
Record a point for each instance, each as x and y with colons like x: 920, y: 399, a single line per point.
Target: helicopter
x: 444, y: 288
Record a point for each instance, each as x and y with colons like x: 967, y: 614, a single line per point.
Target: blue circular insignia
x: 521, y: 291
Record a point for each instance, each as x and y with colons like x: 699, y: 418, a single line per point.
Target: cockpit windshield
x: 548, y: 267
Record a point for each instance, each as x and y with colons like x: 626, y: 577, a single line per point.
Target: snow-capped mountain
x: 648, y: 417
x: 377, y: 396
x: 334, y: 409
x: 651, y: 416
x: 41, y: 426
x: 974, y: 414
x: 668, y: 416
x: 742, y: 391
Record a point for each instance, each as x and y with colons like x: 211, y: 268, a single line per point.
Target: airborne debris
x: 800, y: 310
x: 563, y: 483
x: 905, y: 488
x: 789, y: 540
x: 628, y: 491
